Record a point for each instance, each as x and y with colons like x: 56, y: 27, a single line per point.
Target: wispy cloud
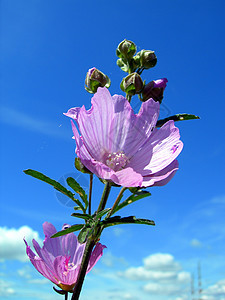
x: 17, y: 118
x: 12, y: 246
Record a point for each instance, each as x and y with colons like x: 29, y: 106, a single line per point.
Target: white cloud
x: 140, y: 273
x: 218, y: 200
x: 110, y: 260
x: 16, y: 118
x: 161, y: 261
x: 6, y: 289
x: 196, y: 243
x: 25, y: 272
x: 39, y: 281
x: 117, y: 231
x: 163, y: 274
x: 215, y: 292
x: 12, y: 245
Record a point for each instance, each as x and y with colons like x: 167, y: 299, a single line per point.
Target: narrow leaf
x: 77, y: 208
x: 178, y: 117
x: 50, y: 181
x: 68, y: 230
x: 55, y: 184
x: 126, y: 220
x: 102, y: 213
x: 81, y: 216
x: 137, y: 196
x: 78, y: 189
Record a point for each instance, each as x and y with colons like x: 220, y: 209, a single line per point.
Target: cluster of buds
x: 129, y: 62
x: 134, y: 64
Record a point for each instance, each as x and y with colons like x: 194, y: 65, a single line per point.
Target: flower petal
x: 94, y: 124
x: 95, y: 256
x: 51, y: 245
x: 127, y: 178
x: 159, y: 151
x: 162, y: 177
x: 128, y: 131
x: 98, y: 168
x: 39, y: 264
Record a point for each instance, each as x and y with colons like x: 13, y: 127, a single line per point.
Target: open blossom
x: 126, y: 148
x: 60, y: 258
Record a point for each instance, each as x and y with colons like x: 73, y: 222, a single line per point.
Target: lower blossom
x: 59, y: 259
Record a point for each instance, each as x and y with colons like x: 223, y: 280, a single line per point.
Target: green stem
x: 116, y: 201
x: 89, y: 246
x: 128, y: 97
x: 90, y: 193
x: 105, y: 196
x: 66, y: 295
x: 83, y: 269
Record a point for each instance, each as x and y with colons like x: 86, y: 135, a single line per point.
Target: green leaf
x: 81, y: 216
x: 102, y: 213
x: 50, y: 181
x: 117, y: 220
x: 68, y: 230
x: 78, y: 189
x: 55, y: 184
x: 84, y: 233
x: 77, y: 208
x: 178, y: 117
x: 137, y: 196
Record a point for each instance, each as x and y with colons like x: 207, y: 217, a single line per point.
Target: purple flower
x: 117, y: 145
x: 60, y: 258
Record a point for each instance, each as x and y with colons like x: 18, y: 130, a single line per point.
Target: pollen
x: 116, y: 160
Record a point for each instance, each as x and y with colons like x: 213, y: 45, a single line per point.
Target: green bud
x: 132, y: 84
x: 95, y: 79
x: 126, y: 49
x: 145, y: 59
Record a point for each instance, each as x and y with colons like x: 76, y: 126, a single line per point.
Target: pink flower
x: 60, y: 258
x: 128, y: 149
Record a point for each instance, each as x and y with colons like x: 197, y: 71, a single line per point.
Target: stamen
x: 116, y: 160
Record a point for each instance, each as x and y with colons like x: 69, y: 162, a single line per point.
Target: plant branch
x: 116, y: 201
x: 90, y: 193
x: 83, y: 269
x: 66, y: 295
x: 105, y: 196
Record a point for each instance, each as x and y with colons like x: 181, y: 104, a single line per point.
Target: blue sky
x: 47, y: 48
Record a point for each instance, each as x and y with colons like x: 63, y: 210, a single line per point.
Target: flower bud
x: 95, y: 79
x: 146, y: 59
x: 132, y: 84
x: 126, y: 49
x: 154, y: 90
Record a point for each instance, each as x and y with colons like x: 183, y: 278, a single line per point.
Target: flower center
x: 116, y: 160
x: 68, y: 266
